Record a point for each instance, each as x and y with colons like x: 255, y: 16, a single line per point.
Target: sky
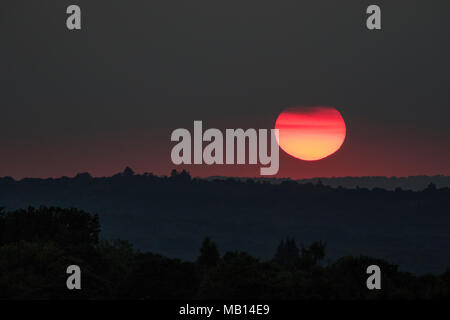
x: 110, y: 95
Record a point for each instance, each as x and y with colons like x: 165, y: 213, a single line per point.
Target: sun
x: 310, y: 133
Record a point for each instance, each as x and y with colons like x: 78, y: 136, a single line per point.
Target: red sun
x: 310, y: 133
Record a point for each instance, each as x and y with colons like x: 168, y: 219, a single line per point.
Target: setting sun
x: 310, y: 133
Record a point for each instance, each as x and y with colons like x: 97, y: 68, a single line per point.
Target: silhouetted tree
x: 128, y: 172
x: 83, y: 176
x: 209, y: 255
x: 287, y: 253
x: 69, y: 228
x: 431, y: 187
x: 311, y: 255
x: 183, y: 176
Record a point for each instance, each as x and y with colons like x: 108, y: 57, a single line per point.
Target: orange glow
x: 310, y: 133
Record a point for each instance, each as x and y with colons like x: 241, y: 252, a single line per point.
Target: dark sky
x: 110, y: 95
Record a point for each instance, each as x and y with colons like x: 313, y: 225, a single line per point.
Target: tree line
x: 37, y: 245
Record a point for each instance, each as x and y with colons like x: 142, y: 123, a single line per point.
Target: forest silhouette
x: 37, y: 245
x: 170, y: 215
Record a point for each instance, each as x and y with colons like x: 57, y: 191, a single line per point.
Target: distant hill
x: 414, y: 183
x: 172, y: 215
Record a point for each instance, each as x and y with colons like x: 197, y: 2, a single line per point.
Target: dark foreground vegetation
x: 37, y: 245
x: 171, y: 215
